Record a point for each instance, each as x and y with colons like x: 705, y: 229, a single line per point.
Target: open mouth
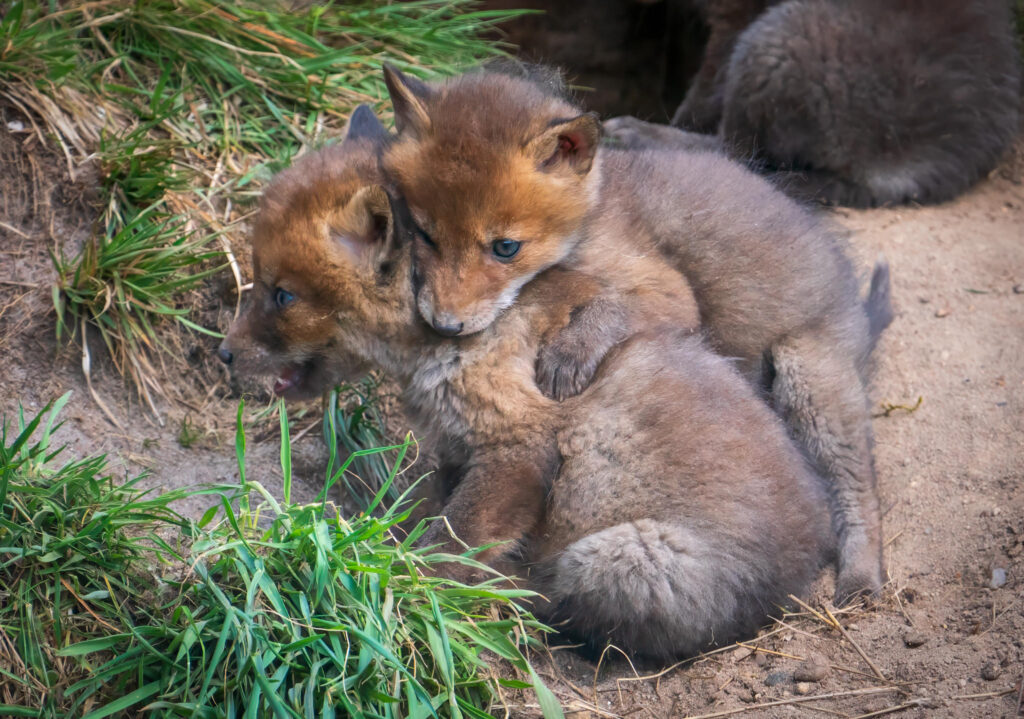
x: 294, y: 380
x: 315, y: 375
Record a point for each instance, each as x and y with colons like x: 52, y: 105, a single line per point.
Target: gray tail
x: 661, y: 590
x: 878, y: 305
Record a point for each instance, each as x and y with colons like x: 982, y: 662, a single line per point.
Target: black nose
x: 448, y: 330
x: 225, y: 355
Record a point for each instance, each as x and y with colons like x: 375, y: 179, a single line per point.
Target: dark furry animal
x: 701, y: 109
x: 862, y: 103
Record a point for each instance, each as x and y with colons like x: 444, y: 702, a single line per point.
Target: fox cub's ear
x: 363, y: 226
x: 569, y: 144
x: 408, y: 95
x: 364, y: 125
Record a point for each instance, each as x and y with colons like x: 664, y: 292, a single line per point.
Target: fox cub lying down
x: 861, y: 103
x: 505, y: 178
x: 664, y: 508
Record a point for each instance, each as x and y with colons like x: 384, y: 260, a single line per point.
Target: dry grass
x: 184, y: 106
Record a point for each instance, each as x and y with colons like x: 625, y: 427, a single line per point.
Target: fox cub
x: 664, y: 508
x: 504, y: 178
x: 861, y: 103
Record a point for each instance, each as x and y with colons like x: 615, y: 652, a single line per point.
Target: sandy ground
x: 951, y: 472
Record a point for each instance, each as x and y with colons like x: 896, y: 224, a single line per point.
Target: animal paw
x: 857, y: 583
x: 440, y: 538
x: 563, y: 370
x: 627, y: 131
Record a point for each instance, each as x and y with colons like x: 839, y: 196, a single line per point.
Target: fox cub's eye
x: 283, y: 298
x: 505, y: 249
x: 425, y: 238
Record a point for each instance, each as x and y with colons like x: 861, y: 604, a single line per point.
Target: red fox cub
x: 504, y: 178
x: 664, y: 508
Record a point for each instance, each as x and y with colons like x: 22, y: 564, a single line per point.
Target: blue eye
x: 505, y: 249
x: 283, y: 298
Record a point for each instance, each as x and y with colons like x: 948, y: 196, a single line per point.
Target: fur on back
x: 735, y: 527
x: 875, y: 101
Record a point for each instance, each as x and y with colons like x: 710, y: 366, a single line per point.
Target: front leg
x: 659, y: 296
x: 500, y: 500
x: 430, y: 496
x: 568, y: 359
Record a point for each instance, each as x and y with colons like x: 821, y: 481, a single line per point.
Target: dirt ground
x: 946, y: 641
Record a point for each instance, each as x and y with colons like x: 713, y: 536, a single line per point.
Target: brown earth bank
x: 947, y: 640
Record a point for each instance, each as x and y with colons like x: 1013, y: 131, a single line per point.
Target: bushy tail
x: 655, y: 589
x: 878, y: 304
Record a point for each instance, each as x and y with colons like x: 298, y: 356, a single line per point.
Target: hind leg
x: 819, y: 393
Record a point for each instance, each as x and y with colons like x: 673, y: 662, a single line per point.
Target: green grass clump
x: 74, y: 545
x: 353, y: 422
x: 124, y: 280
x: 277, y: 609
x: 183, y: 104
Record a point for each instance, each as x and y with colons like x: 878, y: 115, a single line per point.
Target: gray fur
x: 771, y: 280
x: 566, y: 366
x: 878, y: 305
x: 631, y: 133
x: 701, y: 109
x: 872, y: 102
x: 716, y: 547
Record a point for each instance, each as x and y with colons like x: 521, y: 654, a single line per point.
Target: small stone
x: 746, y: 695
x: 803, y: 688
x: 914, y: 638
x: 760, y: 659
x: 776, y: 678
x: 943, y: 312
x: 19, y: 126
x: 998, y: 578
x: 1018, y: 289
x: 991, y: 671
x: 813, y: 669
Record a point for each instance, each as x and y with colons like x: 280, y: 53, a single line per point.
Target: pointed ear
x: 363, y: 227
x: 408, y: 96
x: 570, y: 144
x: 364, y: 125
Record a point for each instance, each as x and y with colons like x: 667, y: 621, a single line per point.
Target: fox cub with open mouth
x: 504, y: 178
x: 663, y: 509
